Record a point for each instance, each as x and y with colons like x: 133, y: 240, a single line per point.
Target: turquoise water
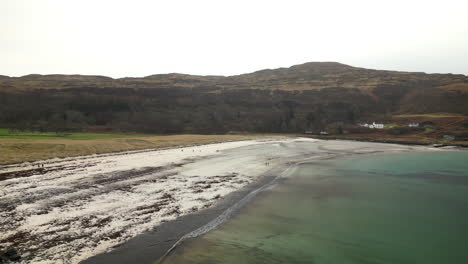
x: 393, y: 208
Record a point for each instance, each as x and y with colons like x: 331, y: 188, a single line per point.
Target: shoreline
x: 51, y: 161
x: 137, y: 206
x: 271, y: 224
x: 392, y: 141
x: 87, y: 207
x: 153, y: 246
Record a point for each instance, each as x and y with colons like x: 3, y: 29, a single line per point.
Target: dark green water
x: 394, y: 208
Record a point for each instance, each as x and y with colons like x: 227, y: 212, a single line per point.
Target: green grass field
x: 390, y: 125
x: 6, y: 133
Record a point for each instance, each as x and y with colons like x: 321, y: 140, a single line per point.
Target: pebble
x: 9, y: 255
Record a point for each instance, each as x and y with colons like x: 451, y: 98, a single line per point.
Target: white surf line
x: 226, y: 215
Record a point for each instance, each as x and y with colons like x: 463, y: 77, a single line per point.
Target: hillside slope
x: 307, y: 96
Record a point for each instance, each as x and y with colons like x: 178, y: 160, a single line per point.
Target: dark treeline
x: 183, y: 110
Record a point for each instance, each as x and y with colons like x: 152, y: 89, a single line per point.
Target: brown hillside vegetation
x: 307, y: 76
x: 460, y: 87
x: 303, y: 97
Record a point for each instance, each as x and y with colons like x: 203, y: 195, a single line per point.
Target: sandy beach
x: 69, y: 210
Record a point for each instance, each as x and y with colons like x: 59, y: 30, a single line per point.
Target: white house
x: 379, y: 126
x: 373, y: 125
x: 413, y: 124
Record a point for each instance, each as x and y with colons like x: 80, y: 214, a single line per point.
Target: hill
x: 310, y: 96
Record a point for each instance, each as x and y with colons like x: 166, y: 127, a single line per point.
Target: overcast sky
x: 138, y: 38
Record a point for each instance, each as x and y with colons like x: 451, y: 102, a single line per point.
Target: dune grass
x: 16, y: 150
x: 6, y: 133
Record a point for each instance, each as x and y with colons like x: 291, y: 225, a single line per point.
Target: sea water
x: 385, y: 208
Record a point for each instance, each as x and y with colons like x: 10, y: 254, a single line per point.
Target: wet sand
x: 135, y: 206
x: 152, y: 245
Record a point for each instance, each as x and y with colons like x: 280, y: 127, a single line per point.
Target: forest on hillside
x: 179, y: 110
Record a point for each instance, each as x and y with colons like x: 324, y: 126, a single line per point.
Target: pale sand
x: 86, y: 206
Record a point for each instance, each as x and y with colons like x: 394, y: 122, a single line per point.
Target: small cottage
x: 373, y: 125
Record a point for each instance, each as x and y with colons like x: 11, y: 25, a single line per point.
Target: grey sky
x: 139, y: 38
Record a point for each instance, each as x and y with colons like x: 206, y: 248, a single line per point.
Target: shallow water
x: 392, y: 208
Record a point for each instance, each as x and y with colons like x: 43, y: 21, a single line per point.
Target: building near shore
x: 373, y: 125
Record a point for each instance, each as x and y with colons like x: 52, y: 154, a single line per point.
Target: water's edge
x: 367, y: 209
x: 155, y: 244
x: 226, y: 215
